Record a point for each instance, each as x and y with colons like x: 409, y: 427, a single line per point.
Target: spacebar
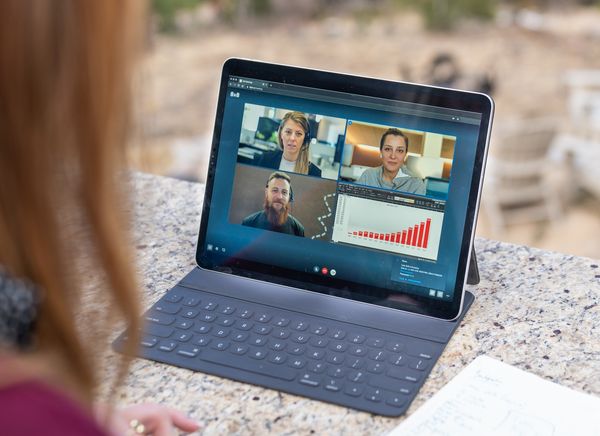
x: 258, y: 367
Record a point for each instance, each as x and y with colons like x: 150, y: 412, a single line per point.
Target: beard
x: 277, y: 217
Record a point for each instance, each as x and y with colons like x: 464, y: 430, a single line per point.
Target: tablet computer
x: 382, y: 182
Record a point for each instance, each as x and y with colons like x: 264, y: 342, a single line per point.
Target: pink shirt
x: 34, y: 408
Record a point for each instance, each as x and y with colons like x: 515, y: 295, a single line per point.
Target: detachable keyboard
x: 338, y: 362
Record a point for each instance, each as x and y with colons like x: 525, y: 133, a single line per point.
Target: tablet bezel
x: 401, y: 91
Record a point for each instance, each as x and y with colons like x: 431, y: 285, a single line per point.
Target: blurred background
x: 539, y: 59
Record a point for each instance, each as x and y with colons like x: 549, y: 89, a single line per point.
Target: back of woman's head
x: 64, y: 103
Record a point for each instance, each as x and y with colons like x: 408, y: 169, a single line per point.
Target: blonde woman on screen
x: 294, y: 141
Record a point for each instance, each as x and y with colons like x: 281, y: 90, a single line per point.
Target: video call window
x: 292, y: 141
x: 399, y: 159
x: 286, y: 203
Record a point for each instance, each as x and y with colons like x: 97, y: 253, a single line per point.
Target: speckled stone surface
x: 536, y: 310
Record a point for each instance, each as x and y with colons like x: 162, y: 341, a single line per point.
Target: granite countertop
x: 534, y: 309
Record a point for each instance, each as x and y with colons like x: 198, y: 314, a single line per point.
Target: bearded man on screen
x: 277, y: 205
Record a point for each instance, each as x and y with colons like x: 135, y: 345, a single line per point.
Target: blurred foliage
x: 438, y: 15
x: 445, y: 14
x: 166, y: 10
x: 240, y: 10
x: 230, y: 10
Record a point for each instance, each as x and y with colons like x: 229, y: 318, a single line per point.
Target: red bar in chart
x: 414, y: 236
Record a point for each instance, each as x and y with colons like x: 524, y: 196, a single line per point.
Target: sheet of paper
x: 492, y: 398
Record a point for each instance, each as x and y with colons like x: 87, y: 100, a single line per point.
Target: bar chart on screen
x: 388, y: 226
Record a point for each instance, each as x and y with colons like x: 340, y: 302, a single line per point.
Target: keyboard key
x: 396, y: 386
x: 377, y: 355
x: 171, y: 309
x: 190, y: 313
x: 297, y: 350
x: 355, y: 363
x: 310, y: 379
x: 167, y: 345
x: 375, y: 368
x: 263, y: 329
x: 239, y: 349
x: 222, y: 333
x: 226, y: 322
x: 300, y: 325
x: 259, y: 341
x: 258, y: 354
x: 158, y: 330
x: 188, y: 351
x: 300, y: 338
x: 262, y: 368
x: 240, y: 336
x: 419, y: 364
x: 375, y: 342
x: 263, y: 317
x: 210, y: 306
x: 333, y: 385
x: 335, y: 358
x: 246, y: 313
x: 404, y: 374
x: 203, y: 341
x: 282, y: 322
x: 202, y: 328
x: 160, y: 318
x: 395, y: 400
x: 397, y: 360
x: 338, y: 334
x: 148, y: 341
x: 277, y: 345
x: 244, y: 325
x: 281, y: 334
x: 357, y: 376
x: 316, y: 354
x: 319, y: 342
x: 207, y: 317
x: 358, y: 350
x: 395, y: 346
x: 317, y: 367
x: 173, y: 297
x: 318, y: 330
x: 227, y: 310
x: 375, y: 395
x: 338, y: 346
x: 354, y: 390
x: 357, y: 339
x: 220, y: 345
x: 184, y: 324
x: 337, y: 372
x: 278, y: 358
x: 183, y: 336
x: 191, y: 302
x: 297, y: 363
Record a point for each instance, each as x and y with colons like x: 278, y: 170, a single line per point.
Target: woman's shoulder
x: 54, y: 412
x: 370, y: 173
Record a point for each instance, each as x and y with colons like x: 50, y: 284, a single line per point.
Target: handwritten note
x: 492, y: 398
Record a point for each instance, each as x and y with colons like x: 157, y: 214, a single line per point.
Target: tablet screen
x: 361, y: 188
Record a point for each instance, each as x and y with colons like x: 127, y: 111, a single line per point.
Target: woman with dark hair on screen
x: 65, y: 67
x: 393, y: 173
x: 294, y: 141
